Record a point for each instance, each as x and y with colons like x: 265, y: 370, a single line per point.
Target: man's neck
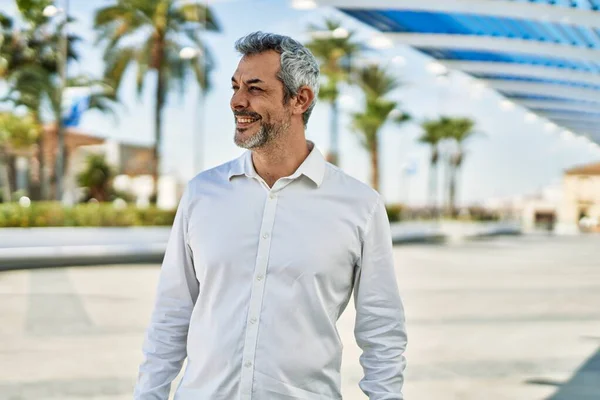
x: 280, y: 159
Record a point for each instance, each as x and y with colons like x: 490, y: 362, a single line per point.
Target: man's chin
x: 246, y: 139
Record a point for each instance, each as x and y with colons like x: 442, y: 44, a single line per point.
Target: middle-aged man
x: 264, y: 254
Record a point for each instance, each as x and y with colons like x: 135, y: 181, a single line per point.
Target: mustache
x: 247, y: 114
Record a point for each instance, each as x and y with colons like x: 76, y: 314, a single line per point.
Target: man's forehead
x: 264, y: 66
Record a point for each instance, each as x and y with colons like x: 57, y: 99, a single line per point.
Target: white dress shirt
x: 254, y: 279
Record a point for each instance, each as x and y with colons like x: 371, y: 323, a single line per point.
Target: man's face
x: 257, y: 101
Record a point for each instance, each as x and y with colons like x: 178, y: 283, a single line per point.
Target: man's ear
x: 303, y: 100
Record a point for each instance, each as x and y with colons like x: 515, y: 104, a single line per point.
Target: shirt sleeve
x: 380, y: 324
x: 164, y: 345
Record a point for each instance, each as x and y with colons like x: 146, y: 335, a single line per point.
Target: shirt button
x: 272, y: 196
x: 266, y: 236
x: 259, y: 277
x: 248, y: 364
x: 252, y: 320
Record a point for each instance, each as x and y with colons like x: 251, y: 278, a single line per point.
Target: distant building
x: 132, y: 159
x: 539, y: 211
x: 24, y: 165
x: 580, y: 206
x: 570, y: 207
x: 132, y: 163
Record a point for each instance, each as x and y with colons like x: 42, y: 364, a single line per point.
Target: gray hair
x: 298, y: 66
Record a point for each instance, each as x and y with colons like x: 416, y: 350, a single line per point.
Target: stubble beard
x: 266, y: 135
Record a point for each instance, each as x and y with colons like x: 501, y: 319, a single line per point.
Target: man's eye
x: 234, y: 88
x: 255, y: 88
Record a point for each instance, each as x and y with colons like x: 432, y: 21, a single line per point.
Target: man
x: 264, y: 254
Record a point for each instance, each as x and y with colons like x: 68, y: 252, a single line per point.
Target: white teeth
x: 245, y: 120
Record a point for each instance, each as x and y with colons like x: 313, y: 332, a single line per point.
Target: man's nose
x: 239, y: 100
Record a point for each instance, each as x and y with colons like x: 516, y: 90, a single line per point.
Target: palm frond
x: 174, y: 68
x: 6, y: 22
x: 29, y: 86
x: 117, y: 62
x: 402, y: 118
x: 110, y: 14
x: 329, y: 91
x: 162, y: 26
x: 143, y: 60
x: 115, y: 23
x: 376, y: 81
x: 334, y: 53
x: 197, y: 13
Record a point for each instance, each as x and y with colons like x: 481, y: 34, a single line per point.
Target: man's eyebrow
x: 255, y: 80
x: 249, y: 81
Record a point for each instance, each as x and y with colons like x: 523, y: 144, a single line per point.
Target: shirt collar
x: 242, y: 166
x: 313, y: 167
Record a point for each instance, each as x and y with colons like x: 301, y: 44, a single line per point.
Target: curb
x: 419, y: 239
x: 63, y: 256
x: 12, y: 258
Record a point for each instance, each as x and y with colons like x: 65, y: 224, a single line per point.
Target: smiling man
x: 265, y: 253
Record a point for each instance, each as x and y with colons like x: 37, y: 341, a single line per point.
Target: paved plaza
x: 500, y: 319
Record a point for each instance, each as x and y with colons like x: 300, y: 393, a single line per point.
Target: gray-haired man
x: 265, y: 253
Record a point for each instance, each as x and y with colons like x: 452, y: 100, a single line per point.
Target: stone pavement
x: 500, y: 319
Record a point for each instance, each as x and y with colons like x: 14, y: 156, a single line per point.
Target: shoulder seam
x: 185, y: 210
x: 368, y: 224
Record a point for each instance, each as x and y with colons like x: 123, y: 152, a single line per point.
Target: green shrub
x: 394, y: 212
x: 481, y: 214
x: 43, y: 214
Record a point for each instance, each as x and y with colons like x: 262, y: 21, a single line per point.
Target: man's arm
x: 165, y: 342
x: 379, y: 328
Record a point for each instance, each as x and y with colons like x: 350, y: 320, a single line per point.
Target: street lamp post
x: 190, y: 53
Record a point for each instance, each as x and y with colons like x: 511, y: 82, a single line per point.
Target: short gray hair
x: 298, y: 65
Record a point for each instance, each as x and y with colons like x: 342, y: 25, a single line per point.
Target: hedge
x: 44, y: 214
x: 394, y: 212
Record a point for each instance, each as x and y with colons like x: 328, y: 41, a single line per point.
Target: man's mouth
x: 244, y: 122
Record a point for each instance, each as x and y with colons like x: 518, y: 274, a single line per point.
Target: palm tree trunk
x: 43, y: 176
x: 60, y: 158
x: 199, y: 132
x: 433, y: 174
x: 159, y: 105
x: 6, y: 191
x: 436, y: 190
x: 453, y: 190
x: 374, y: 164
x: 333, y: 155
x: 448, y: 186
x: 430, y: 194
x: 60, y: 129
x: 455, y: 177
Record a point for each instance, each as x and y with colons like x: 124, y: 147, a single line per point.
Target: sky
x: 508, y: 157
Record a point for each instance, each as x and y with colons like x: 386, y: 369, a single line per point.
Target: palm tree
x: 333, y: 47
x: 376, y: 83
x: 162, y: 24
x: 31, y: 66
x: 437, y: 131
x: 32, y: 86
x: 433, y: 134
x: 462, y: 129
x: 17, y: 135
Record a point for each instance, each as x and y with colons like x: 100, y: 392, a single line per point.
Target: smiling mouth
x: 244, y: 122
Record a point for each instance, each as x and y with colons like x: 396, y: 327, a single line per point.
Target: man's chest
x: 294, y: 233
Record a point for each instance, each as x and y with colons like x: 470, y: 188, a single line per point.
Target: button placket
x: 256, y: 297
